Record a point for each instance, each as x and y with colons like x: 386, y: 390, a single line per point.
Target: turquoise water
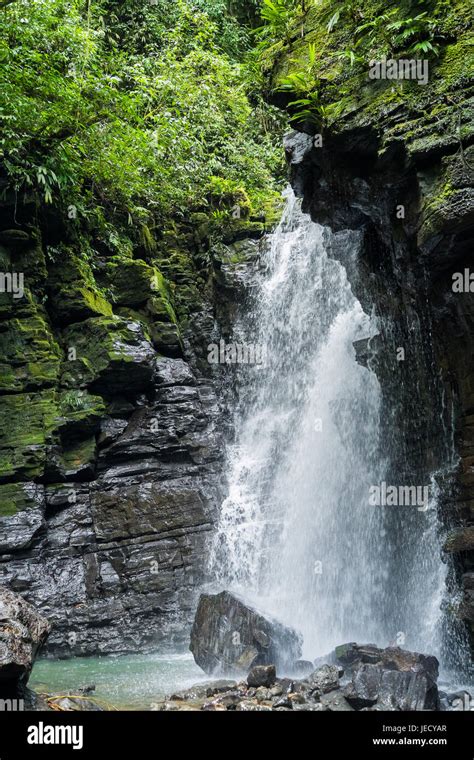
x: 132, y: 682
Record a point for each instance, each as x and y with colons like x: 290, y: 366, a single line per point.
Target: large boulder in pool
x: 22, y: 633
x: 229, y: 636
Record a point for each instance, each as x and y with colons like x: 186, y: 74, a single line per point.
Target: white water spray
x: 297, y: 534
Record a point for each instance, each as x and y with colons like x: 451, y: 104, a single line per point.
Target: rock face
x: 228, y: 636
x: 110, y: 432
x: 22, y: 633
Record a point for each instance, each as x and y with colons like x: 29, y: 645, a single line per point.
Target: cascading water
x: 297, y: 533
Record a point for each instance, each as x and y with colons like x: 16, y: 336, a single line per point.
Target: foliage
x: 281, y: 19
x: 373, y: 29
x: 399, y: 31
x: 128, y: 111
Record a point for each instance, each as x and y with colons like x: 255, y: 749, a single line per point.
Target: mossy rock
x: 132, y: 282
x: 74, y: 460
x: 72, y: 289
x: 79, y: 412
x: 27, y: 421
x: 31, y: 260
x: 74, y: 451
x: 241, y: 229
x: 30, y: 355
x: 112, y: 353
x: 447, y: 202
x: 166, y: 338
x: 32, y: 423
x: 15, y: 497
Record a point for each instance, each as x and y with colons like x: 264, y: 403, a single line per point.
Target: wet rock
x: 112, y: 352
x: 363, y: 691
x: 287, y: 685
x: 334, y: 701
x: 87, y: 689
x: 204, y: 690
x: 22, y: 519
x: 324, y: 679
x: 170, y: 372
x: 390, y: 689
x: 227, y: 701
x: 460, y: 540
x: 22, y: 633
x: 249, y: 706
x: 168, y: 707
x: 348, y: 654
x: 109, y: 453
x: 276, y: 690
x: 297, y: 698
x: 74, y: 704
x: 283, y: 702
x: 411, y: 662
x: 262, y: 675
x: 391, y: 658
x: 308, y: 707
x: 229, y: 636
x: 406, y: 691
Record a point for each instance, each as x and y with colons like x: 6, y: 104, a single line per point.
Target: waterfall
x: 297, y: 534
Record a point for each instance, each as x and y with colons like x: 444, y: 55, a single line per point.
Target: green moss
x: 95, y: 303
x: 7, y: 504
x: 15, y: 497
x: 73, y: 292
x: 76, y: 457
x: 78, y: 410
x: 113, y: 350
x: 30, y: 355
x: 455, y: 67
x: 130, y: 282
x: 238, y: 230
x: 27, y: 422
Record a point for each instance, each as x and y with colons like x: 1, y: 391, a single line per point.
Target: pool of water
x: 131, y: 682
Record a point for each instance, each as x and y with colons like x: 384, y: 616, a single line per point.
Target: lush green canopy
x: 135, y: 111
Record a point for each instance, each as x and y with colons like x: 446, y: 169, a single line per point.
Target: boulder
x: 334, y: 701
x: 262, y: 675
x: 22, y: 632
x: 388, y: 689
x: 391, y: 658
x: 325, y: 679
x: 230, y: 636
